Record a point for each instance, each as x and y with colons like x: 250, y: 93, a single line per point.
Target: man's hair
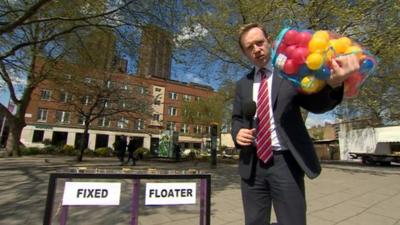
x: 245, y: 28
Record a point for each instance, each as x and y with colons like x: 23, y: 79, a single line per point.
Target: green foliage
x: 51, y: 149
x: 360, y: 20
x: 46, y: 142
x: 68, y: 150
x: 103, y: 152
x: 31, y: 151
x: 142, y: 153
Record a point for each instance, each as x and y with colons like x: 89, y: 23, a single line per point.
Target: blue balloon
x: 324, y: 73
x: 303, y: 70
x: 366, y: 65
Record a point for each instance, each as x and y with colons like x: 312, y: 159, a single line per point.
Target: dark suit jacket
x: 286, y: 103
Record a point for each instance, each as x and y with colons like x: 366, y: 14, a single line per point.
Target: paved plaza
x: 342, y: 194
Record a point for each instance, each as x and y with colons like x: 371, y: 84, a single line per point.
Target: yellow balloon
x: 314, y: 61
x: 323, y: 34
x: 345, y: 41
x: 329, y: 54
x: 310, y: 84
x: 317, y: 44
x: 354, y: 49
x: 338, y: 46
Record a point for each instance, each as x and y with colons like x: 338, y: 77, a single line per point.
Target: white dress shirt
x: 277, y: 144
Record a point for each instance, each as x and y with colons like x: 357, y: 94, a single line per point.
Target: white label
x: 91, y: 193
x: 170, y: 193
x: 280, y: 61
x: 28, y: 115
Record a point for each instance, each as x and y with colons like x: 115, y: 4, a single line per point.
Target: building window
x: 109, y: 84
x: 173, y: 95
x: 42, y: 115
x: 171, y: 126
x: 37, y: 136
x: 45, y: 95
x: 88, y: 80
x: 197, y: 98
x: 156, y: 117
x: 139, y: 124
x: 68, y: 76
x: 172, y: 111
x: 103, y: 122
x: 125, y: 87
x: 197, y: 129
x: 65, y: 97
x: 186, y: 98
x: 105, y: 103
x: 142, y: 90
x: 122, y: 123
x: 63, y: 117
x: 81, y: 120
x: 87, y: 100
x: 185, y: 128
x: 157, y: 102
x: 158, y: 89
x: 122, y: 104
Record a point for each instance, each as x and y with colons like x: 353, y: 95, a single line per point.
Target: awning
x: 387, y: 134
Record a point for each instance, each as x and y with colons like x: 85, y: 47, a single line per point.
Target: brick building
x: 50, y: 117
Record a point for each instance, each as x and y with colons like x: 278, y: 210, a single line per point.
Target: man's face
x: 256, y: 47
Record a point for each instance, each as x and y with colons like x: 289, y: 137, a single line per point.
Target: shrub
x: 142, y: 153
x: 31, y: 151
x: 50, y: 149
x: 46, y: 142
x: 68, y: 150
x: 103, y: 152
x: 88, y: 152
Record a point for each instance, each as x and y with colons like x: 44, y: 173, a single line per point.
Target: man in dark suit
x: 279, y: 179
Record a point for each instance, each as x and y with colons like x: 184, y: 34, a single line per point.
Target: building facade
x: 151, y: 103
x: 50, y: 116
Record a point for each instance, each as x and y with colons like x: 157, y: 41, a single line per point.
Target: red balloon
x: 281, y: 48
x: 350, y: 91
x: 303, y: 38
x: 290, y: 67
x: 299, y: 55
x: 354, y: 80
x: 290, y: 37
x: 289, y: 51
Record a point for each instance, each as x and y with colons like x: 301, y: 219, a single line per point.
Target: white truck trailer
x: 371, y: 145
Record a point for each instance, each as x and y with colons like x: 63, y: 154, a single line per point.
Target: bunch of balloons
x: 304, y: 57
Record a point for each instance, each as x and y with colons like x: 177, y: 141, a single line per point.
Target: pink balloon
x: 289, y: 51
x: 290, y: 67
x: 300, y: 54
x: 290, y: 37
x: 303, y: 38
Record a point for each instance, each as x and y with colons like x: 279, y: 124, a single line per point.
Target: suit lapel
x: 276, y: 84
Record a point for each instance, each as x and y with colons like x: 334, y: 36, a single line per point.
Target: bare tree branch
x: 28, y: 13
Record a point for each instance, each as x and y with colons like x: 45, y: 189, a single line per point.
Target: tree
x: 32, y: 30
x: 215, y: 109
x: 219, y: 21
x: 103, y: 97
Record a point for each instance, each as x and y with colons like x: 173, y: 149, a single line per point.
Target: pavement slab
x: 341, y: 195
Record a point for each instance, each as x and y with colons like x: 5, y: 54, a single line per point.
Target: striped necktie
x: 264, y: 144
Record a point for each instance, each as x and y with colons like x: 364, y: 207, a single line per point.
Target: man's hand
x: 245, y: 137
x: 342, y: 68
